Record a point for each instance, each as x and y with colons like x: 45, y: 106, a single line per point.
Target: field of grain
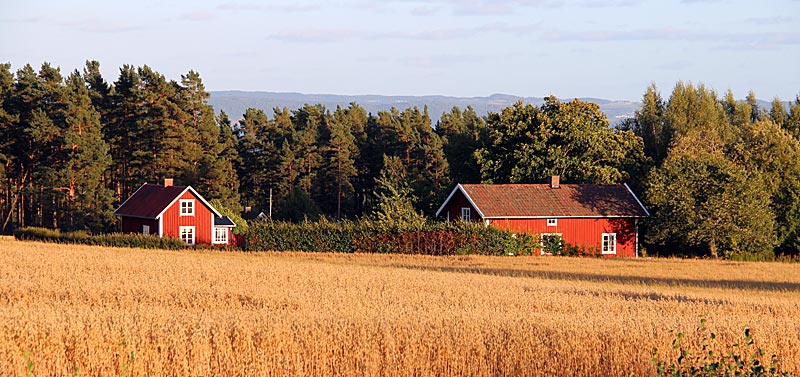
x: 80, y: 310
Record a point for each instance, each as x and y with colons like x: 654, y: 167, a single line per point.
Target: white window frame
x: 145, y: 229
x: 187, y: 230
x: 606, y: 241
x: 188, y: 209
x: 541, y: 241
x: 221, y: 240
x: 552, y: 222
x: 466, y: 213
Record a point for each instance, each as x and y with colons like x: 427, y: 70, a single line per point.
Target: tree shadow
x: 650, y: 296
x: 608, y: 278
x: 611, y: 200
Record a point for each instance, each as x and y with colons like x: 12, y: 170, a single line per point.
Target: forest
x: 720, y: 176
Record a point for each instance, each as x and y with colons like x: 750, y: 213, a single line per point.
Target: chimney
x: 167, y: 182
x: 554, y: 181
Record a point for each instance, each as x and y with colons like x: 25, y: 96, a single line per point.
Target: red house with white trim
x: 597, y: 217
x: 174, y: 211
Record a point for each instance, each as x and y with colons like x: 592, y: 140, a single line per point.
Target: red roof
x: 150, y: 201
x: 540, y: 200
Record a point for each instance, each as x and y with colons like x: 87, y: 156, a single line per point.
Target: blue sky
x: 584, y: 48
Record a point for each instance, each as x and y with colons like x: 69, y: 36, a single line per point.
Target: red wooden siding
x: 134, y: 225
x: 203, y: 220
x: 587, y: 232
x: 454, y: 206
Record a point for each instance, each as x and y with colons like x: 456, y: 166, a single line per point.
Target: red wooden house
x: 597, y: 217
x: 174, y: 211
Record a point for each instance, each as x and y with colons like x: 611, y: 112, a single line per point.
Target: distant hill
x: 235, y: 103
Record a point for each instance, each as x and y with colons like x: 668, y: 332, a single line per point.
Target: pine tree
x: 752, y: 102
x: 227, y: 158
x: 394, y: 210
x: 778, y: 112
x: 126, y: 133
x: 89, y: 202
x: 38, y: 107
x: 212, y: 173
x: 8, y: 194
x: 251, y: 166
x: 792, y: 123
x: 338, y: 147
x: 99, y: 90
x: 172, y: 148
x: 462, y: 133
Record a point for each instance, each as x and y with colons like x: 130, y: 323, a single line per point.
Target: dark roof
x: 223, y: 221
x: 150, y: 200
x: 540, y: 200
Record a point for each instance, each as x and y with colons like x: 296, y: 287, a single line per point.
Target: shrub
x: 740, y: 359
x: 571, y: 250
x: 552, y: 244
x: 370, y: 237
x: 112, y: 239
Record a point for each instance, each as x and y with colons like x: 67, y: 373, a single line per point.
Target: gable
x: 459, y: 198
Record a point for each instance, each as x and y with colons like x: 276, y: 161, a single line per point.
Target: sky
x: 609, y: 49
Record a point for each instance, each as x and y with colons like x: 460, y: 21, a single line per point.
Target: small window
x: 145, y: 229
x: 187, y: 207
x: 187, y: 234
x: 221, y: 235
x: 552, y: 222
x: 465, y: 214
x: 609, y: 243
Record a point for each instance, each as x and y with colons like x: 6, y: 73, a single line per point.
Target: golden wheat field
x: 81, y: 310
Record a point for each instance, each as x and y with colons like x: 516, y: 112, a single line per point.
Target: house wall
x: 134, y: 225
x: 454, y: 206
x: 203, y: 220
x: 587, y: 232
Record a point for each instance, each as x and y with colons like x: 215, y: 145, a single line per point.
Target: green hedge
x: 112, y: 239
x: 367, y: 237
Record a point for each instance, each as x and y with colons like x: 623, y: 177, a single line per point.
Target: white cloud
x: 333, y: 35
x: 199, y: 15
x: 94, y: 25
x: 283, y: 8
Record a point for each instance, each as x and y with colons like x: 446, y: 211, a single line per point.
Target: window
x: 465, y: 214
x: 552, y: 222
x: 145, y: 229
x: 221, y: 235
x: 187, y: 207
x: 187, y: 234
x: 609, y: 243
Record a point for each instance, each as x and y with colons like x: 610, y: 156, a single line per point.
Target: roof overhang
x: 637, y: 201
x: 231, y: 225
x: 126, y: 200
x: 456, y: 189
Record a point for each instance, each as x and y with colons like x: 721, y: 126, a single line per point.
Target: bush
x: 370, y: 237
x: 742, y: 358
x: 571, y: 250
x: 553, y: 244
x: 112, y: 239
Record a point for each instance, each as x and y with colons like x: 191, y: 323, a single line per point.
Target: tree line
x: 719, y: 175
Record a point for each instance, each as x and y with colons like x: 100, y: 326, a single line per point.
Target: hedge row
x: 113, y: 239
x: 366, y: 237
